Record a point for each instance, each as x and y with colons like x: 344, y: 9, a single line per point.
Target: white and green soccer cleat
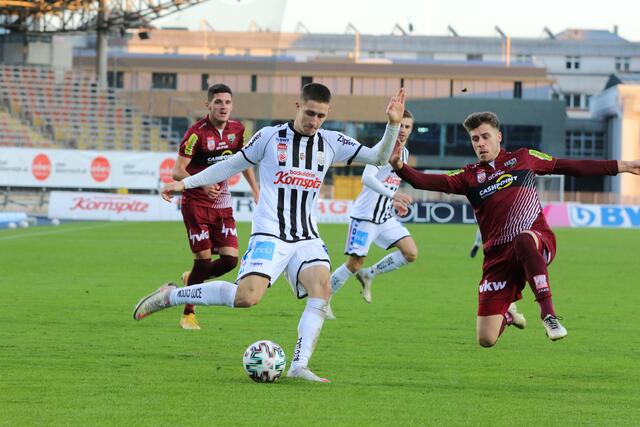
x: 553, y: 328
x: 366, y: 280
x: 517, y: 319
x: 156, y: 301
x: 304, y: 373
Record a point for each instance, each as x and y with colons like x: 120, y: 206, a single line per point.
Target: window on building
x: 425, y: 139
x: 164, y: 80
x: 305, y: 80
x: 115, y: 79
x: 622, y: 63
x: 517, y: 90
x: 205, y: 82
x: 254, y: 83
x: 572, y: 62
x: 474, y: 57
x: 524, y: 58
x: 521, y: 136
x: 584, y: 144
x: 572, y: 100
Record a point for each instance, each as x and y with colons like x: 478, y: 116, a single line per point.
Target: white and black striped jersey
x: 292, y: 168
x: 373, y: 206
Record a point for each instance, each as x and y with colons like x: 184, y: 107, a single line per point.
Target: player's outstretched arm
x: 369, y: 179
x: 211, y: 175
x: 632, y: 166
x: 379, y: 154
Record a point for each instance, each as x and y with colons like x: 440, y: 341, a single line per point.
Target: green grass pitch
x: 71, y: 354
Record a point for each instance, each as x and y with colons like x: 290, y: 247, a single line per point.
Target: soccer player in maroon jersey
x: 518, y: 243
x: 207, y: 212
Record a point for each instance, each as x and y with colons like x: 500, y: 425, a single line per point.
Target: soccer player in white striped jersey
x: 293, y: 159
x: 373, y: 221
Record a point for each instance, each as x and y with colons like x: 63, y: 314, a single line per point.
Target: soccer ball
x: 264, y: 361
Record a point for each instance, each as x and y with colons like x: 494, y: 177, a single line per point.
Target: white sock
x: 339, y: 277
x: 309, y: 329
x: 210, y: 293
x: 478, y: 241
x: 391, y: 262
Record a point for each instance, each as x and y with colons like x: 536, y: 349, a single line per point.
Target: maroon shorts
x: 209, y: 228
x: 503, y: 278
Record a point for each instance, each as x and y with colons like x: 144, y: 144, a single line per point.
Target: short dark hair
x: 218, y: 88
x: 316, y: 92
x: 474, y: 120
x: 407, y: 115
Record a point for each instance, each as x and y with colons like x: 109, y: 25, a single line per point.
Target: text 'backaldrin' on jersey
x: 373, y: 206
x: 292, y: 168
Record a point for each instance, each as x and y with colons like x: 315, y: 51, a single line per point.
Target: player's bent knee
x: 410, y: 256
x: 486, y: 343
x: 247, y: 298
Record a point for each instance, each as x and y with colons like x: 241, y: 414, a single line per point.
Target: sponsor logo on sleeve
x: 540, y: 155
x: 191, y: 142
x: 345, y: 140
x: 253, y: 139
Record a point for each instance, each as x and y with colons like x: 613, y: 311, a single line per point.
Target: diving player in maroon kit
x: 207, y: 212
x: 518, y: 243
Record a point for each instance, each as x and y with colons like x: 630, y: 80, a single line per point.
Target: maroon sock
x: 197, y: 276
x: 535, y: 270
x: 222, y: 265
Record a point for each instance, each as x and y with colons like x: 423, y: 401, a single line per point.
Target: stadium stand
x: 45, y: 108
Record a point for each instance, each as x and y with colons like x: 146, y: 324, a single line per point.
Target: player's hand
x: 171, y: 187
x: 256, y: 196
x: 402, y: 198
x: 632, y: 166
x: 396, y: 160
x: 212, y: 191
x: 395, y: 109
x: 400, y: 208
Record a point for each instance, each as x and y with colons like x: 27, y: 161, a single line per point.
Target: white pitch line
x: 44, y: 233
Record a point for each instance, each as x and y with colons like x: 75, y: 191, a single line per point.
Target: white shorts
x: 268, y: 256
x: 363, y: 233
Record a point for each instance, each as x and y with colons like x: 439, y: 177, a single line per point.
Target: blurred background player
x: 476, y: 244
x: 518, y: 243
x: 373, y: 221
x: 207, y: 211
x: 293, y: 159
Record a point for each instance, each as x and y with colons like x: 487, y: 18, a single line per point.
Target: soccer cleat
x: 156, y: 301
x: 365, y: 280
x: 189, y: 322
x: 517, y: 319
x: 185, y: 278
x: 328, y: 312
x: 553, y: 328
x: 474, y: 251
x: 304, y: 373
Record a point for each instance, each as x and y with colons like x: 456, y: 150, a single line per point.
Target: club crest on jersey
x: 302, y: 156
x: 282, y: 152
x: 320, y: 158
x: 231, y: 138
x: 211, y: 143
x: 481, y: 176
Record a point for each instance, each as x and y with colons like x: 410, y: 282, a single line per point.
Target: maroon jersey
x: 503, y: 192
x: 205, y: 146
